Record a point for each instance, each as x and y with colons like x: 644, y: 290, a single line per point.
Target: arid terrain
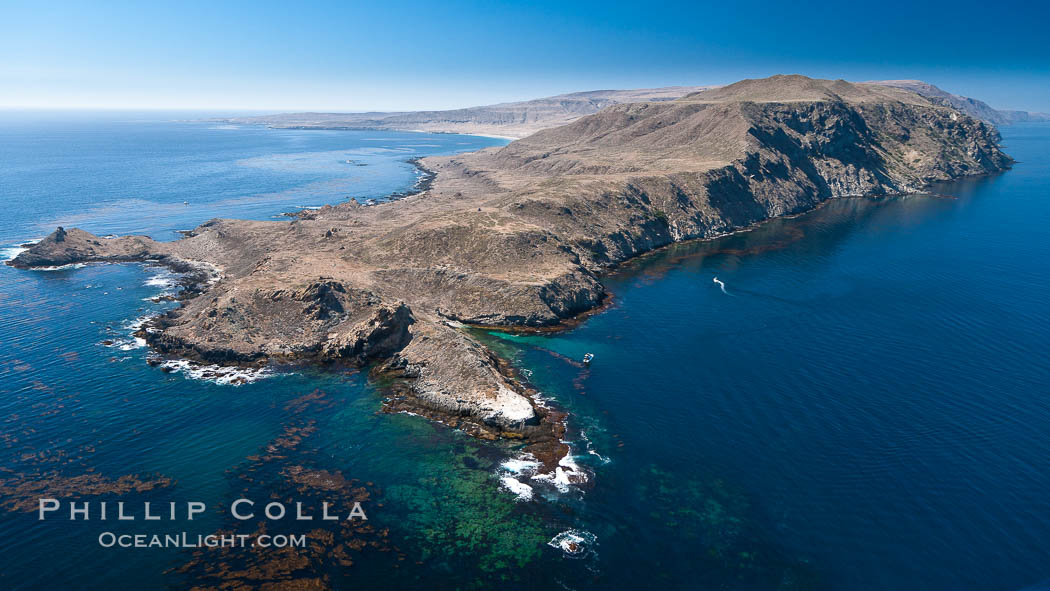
x: 519, y: 119
x: 518, y: 237
x: 971, y: 106
x: 511, y: 120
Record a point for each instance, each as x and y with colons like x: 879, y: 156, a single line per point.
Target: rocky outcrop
x: 518, y: 237
x: 64, y: 247
x: 378, y: 337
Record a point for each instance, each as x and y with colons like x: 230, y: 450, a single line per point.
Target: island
x: 518, y: 237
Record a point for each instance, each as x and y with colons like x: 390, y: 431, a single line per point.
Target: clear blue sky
x: 444, y: 54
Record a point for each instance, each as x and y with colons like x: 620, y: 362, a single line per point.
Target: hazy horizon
x: 345, y: 57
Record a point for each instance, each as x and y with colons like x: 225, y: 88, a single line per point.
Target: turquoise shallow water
x: 864, y: 407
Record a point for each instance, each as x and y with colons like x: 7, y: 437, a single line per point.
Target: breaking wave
x: 11, y: 252
x: 217, y: 374
x: 131, y: 341
x: 520, y: 474
x: 565, y: 476
x: 163, y: 279
x: 520, y: 489
x: 575, y: 543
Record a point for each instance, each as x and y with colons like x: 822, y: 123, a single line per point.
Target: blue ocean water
x: 875, y: 378
x: 863, y: 407
x: 150, y: 172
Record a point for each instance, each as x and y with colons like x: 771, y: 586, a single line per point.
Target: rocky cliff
x: 973, y: 107
x: 518, y: 237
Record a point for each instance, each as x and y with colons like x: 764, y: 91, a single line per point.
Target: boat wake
x: 721, y: 285
x: 592, y: 451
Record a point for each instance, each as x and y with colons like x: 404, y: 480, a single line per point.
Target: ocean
x: 861, y: 404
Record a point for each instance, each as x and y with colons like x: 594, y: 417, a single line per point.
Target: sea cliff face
x: 517, y: 237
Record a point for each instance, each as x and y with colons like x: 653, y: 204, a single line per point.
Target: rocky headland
x: 971, y: 106
x: 518, y: 237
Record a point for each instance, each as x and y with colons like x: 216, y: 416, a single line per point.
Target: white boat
x: 588, y: 358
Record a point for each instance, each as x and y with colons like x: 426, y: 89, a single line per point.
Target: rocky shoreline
x: 517, y: 238
x: 539, y: 431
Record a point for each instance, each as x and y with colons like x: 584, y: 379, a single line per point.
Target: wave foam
x: 512, y: 471
x: 525, y: 468
x: 575, y: 543
x: 136, y: 324
x: 567, y: 474
x: 136, y: 343
x: 126, y: 344
x: 61, y: 267
x: 217, y: 374
x: 520, y: 489
x: 524, y: 464
x: 163, y: 279
x: 11, y: 252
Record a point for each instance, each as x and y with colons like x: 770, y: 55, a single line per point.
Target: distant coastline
x: 513, y: 121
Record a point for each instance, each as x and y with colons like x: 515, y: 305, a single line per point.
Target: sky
x: 350, y: 56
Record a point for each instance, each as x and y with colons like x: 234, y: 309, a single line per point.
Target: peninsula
x: 518, y: 237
